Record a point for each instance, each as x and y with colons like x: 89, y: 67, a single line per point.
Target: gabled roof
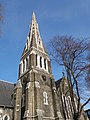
x: 6, y: 90
x: 60, y: 81
x: 57, y: 83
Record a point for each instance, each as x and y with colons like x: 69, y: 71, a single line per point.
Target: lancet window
x: 45, y: 97
x: 23, y: 65
x: 41, y: 62
x: 26, y: 63
x: 45, y: 63
x: 36, y: 59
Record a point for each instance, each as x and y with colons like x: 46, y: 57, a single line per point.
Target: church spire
x: 34, y: 54
x: 33, y: 21
x: 34, y: 38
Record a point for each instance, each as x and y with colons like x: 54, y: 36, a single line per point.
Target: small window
x: 39, y: 42
x: 20, y: 69
x: 45, y: 63
x: 36, y: 59
x: 45, y: 98
x: 33, y: 28
x: 26, y: 63
x: 23, y: 100
x: 23, y: 65
x: 29, y: 63
x: 41, y: 62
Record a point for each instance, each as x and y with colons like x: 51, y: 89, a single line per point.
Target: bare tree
x: 88, y: 71
x: 70, y: 53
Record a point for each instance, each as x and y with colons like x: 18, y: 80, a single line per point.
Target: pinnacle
x: 33, y: 17
x: 33, y: 14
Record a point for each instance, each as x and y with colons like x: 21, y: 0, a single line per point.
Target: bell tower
x: 35, y: 89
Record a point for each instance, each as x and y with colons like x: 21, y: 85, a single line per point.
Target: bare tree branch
x: 71, y: 53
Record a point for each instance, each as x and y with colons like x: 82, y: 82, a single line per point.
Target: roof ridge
x: 6, y: 81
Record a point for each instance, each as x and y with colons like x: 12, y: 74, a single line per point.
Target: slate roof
x: 6, y: 90
x: 57, y: 83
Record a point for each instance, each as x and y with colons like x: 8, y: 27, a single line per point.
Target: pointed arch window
x: 45, y: 63
x: 26, y: 63
x: 64, y: 105
x: 70, y: 104
x: 75, y: 103
x: 41, y: 62
x: 45, y: 98
x: 36, y: 59
x: 19, y: 69
x: 39, y: 42
x: 29, y: 64
x: 6, y: 117
x: 23, y: 65
x: 23, y: 100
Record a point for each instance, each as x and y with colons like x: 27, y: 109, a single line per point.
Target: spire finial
x: 33, y: 13
x: 33, y: 16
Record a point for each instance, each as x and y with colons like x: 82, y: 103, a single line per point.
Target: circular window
x: 44, y: 77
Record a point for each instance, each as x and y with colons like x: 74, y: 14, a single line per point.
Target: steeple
x: 35, y: 98
x: 34, y: 54
x: 34, y: 38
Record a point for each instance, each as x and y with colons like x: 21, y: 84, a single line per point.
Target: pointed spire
x: 33, y: 18
x: 34, y: 38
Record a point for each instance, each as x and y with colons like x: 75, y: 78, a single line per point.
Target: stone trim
x: 27, y: 115
x: 39, y: 112
x: 37, y: 85
x: 49, y: 118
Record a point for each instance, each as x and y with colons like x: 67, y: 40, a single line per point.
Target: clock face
x: 44, y: 77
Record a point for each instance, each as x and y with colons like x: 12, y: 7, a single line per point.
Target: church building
x: 34, y: 96
x: 34, y: 92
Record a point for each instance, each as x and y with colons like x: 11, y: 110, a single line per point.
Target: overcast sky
x: 63, y: 17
